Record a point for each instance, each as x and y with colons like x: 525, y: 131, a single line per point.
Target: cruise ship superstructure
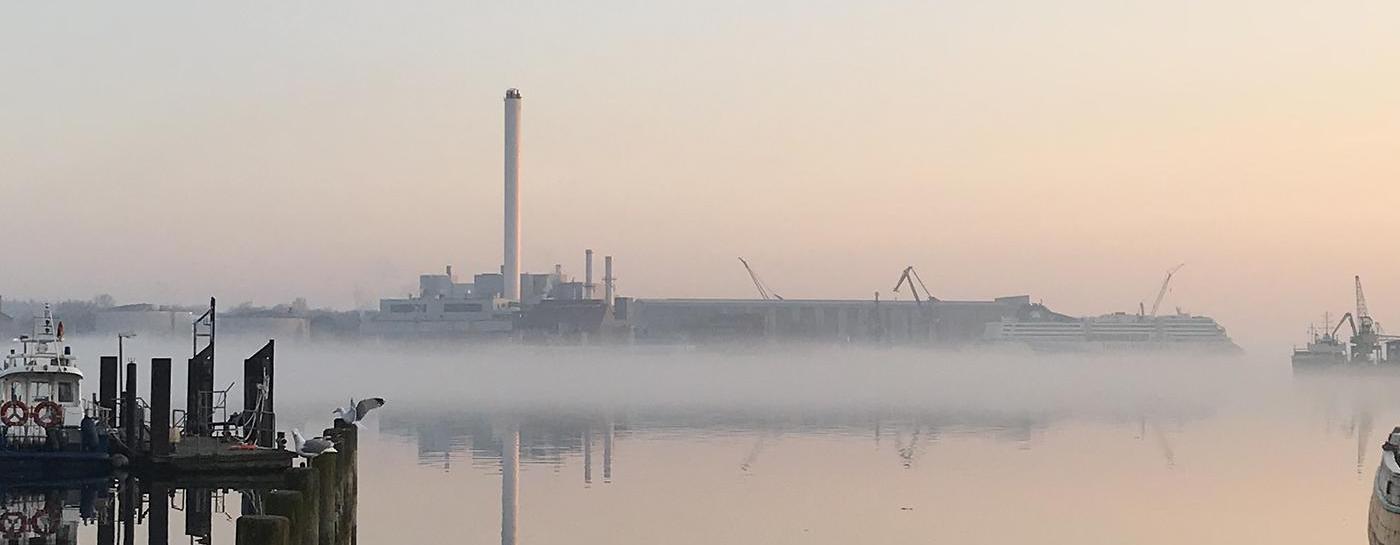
x: 1042, y: 330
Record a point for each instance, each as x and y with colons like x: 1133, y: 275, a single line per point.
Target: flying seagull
x: 357, y: 411
x: 311, y: 448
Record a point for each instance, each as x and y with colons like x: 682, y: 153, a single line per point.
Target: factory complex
x: 555, y: 307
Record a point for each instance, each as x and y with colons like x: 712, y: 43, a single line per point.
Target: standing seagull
x: 311, y: 448
x: 357, y: 411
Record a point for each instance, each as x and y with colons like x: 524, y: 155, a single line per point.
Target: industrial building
x: 821, y: 320
x: 553, y: 307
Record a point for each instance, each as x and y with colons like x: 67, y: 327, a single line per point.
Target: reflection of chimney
x: 588, y: 274
x: 588, y: 456
x: 510, y: 484
x: 607, y: 452
x: 512, y: 212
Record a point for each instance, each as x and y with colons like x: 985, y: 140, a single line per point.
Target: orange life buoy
x: 40, y: 523
x: 47, y: 414
x: 13, y: 413
x: 14, y: 524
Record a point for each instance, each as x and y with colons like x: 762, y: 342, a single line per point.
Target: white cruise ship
x: 1043, y: 330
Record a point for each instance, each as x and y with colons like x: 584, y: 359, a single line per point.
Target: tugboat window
x: 43, y: 391
x: 65, y: 392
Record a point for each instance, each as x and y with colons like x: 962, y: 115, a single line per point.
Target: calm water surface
x: 852, y: 447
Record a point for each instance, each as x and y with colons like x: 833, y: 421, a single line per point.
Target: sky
x: 1071, y: 150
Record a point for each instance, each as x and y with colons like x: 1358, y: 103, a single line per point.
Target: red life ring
x: 47, y: 414
x: 40, y: 523
x: 13, y: 413
x: 14, y: 524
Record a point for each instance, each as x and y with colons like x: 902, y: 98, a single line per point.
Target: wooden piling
x: 158, y: 515
x: 292, y: 504
x: 131, y: 425
x: 262, y: 530
x: 347, y: 441
x: 328, y: 473
x: 160, y: 407
x: 107, y: 390
x: 307, y: 481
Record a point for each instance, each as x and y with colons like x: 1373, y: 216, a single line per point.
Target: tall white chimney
x: 588, y: 274
x: 512, y: 215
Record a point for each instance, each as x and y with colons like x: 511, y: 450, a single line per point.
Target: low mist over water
x: 838, y: 444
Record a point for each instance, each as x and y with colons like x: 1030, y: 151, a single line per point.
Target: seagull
x: 311, y: 448
x: 357, y: 411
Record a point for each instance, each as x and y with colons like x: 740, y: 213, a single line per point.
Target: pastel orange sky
x: 1071, y: 150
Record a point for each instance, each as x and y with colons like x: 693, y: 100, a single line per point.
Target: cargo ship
x: 1323, y: 351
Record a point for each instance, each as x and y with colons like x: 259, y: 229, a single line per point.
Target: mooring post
x: 348, y: 446
x: 160, y: 407
x: 158, y: 517
x: 130, y: 424
x: 107, y: 525
x: 327, y: 466
x: 307, y: 481
x: 107, y: 390
x: 262, y: 530
x: 291, y: 504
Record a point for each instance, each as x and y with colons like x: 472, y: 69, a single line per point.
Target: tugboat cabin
x: 40, y: 385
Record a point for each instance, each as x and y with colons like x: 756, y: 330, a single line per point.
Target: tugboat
x: 46, y: 429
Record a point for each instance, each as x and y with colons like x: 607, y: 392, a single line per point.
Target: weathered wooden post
x: 262, y: 530
x: 131, y: 425
x: 347, y: 444
x: 160, y: 407
x: 307, y: 481
x: 292, y: 504
x: 327, y: 466
x: 107, y: 390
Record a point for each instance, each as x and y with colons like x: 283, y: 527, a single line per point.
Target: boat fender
x: 13, y: 524
x: 48, y: 414
x: 13, y: 413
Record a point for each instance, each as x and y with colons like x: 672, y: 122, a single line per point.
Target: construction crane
x: 763, y: 290
x: 909, y: 276
x: 1161, y: 293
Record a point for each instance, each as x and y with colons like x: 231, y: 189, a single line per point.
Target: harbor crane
x: 1365, y: 337
x: 909, y: 276
x: 1163, y: 291
x: 764, y: 291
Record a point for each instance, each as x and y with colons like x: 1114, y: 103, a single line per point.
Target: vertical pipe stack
x: 588, y: 274
x: 512, y: 190
x: 607, y: 283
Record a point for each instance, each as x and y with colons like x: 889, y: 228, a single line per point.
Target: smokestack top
x: 512, y: 93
